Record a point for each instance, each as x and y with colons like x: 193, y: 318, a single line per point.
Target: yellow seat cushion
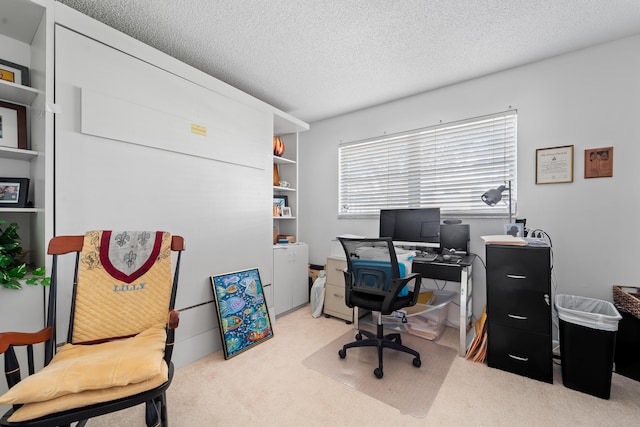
x: 85, y: 398
x: 78, y: 368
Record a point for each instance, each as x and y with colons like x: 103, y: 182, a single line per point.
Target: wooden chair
x: 122, y: 308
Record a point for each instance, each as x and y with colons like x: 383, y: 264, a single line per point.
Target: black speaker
x: 455, y: 237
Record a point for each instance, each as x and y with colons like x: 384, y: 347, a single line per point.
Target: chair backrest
x: 372, y: 264
x: 122, y: 282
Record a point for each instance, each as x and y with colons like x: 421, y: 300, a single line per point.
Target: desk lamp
x: 494, y: 195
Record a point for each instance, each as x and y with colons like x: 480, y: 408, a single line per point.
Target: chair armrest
x: 8, y: 339
x: 397, y: 285
x: 174, y: 319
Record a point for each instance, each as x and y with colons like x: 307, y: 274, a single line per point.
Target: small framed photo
x: 554, y: 165
x: 286, y: 211
x: 14, y: 192
x: 279, y: 202
x: 13, y: 125
x: 243, y: 315
x: 14, y: 73
x: 598, y: 162
x: 515, y: 229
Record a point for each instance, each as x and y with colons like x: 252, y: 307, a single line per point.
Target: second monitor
x: 455, y: 237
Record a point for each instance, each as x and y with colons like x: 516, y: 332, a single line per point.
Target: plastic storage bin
x: 587, y: 343
x: 425, y: 320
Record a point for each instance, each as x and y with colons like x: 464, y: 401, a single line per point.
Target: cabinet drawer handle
x: 522, y: 359
x: 516, y: 276
x: 515, y: 316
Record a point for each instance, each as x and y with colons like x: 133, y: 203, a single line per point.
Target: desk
x: 454, y: 272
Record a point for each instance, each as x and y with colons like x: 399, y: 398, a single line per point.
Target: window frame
x: 486, y: 145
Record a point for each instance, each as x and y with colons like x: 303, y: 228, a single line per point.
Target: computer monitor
x: 419, y: 227
x: 455, y: 237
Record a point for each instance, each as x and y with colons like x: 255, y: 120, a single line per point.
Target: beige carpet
x: 411, y: 390
x: 269, y: 386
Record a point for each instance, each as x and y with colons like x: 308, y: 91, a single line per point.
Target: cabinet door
x: 282, y: 279
x: 290, y: 277
x: 300, y: 267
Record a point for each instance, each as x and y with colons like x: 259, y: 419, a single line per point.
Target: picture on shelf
x: 13, y: 125
x: 515, y: 230
x: 14, y: 192
x: 14, y: 73
x: 242, y: 311
x: 279, y: 202
x: 286, y: 211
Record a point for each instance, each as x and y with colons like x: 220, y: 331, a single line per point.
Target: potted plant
x: 13, y: 268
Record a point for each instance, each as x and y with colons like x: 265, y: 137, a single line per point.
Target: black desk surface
x: 443, y: 270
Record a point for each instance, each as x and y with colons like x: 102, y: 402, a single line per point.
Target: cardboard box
x: 275, y: 235
x: 287, y: 237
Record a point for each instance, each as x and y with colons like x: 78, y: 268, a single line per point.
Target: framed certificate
x: 554, y: 165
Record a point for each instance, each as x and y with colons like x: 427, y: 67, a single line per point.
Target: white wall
x: 589, y: 99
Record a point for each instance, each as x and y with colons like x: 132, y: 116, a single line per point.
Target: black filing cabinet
x: 519, y: 310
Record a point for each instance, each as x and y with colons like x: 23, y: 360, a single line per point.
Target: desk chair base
x: 380, y: 341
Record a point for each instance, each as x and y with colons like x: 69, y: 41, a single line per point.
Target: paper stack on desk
x: 504, y: 239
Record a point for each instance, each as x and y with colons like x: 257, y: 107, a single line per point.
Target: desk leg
x: 466, y: 297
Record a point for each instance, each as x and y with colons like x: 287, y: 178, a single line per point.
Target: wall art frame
x: 13, y: 125
x: 598, y: 162
x: 243, y: 315
x: 14, y: 73
x: 14, y: 192
x: 554, y: 165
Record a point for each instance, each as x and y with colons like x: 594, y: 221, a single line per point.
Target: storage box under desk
x: 423, y: 320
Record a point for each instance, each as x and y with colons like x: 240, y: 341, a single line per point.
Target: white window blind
x: 448, y: 166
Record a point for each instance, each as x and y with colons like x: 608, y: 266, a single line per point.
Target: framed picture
x: 14, y: 73
x: 243, y: 315
x: 13, y: 125
x: 286, y: 211
x: 515, y: 229
x: 14, y: 192
x: 279, y: 202
x: 554, y: 165
x: 598, y: 162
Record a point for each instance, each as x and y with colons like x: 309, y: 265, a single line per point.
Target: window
x: 447, y: 166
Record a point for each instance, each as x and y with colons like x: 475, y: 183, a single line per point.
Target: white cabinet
x: 290, y: 276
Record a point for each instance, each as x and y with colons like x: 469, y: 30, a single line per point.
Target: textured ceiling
x: 320, y: 58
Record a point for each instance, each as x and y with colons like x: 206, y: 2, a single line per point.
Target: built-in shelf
x: 17, y: 153
x: 277, y: 188
x: 282, y: 161
x: 22, y: 210
x: 19, y: 94
x: 284, y: 217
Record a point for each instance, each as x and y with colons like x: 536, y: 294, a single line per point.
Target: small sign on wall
x: 198, y: 129
x: 598, y: 162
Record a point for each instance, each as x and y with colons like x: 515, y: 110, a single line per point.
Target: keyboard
x: 426, y: 257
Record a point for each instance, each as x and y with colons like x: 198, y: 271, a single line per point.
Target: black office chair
x: 375, y: 281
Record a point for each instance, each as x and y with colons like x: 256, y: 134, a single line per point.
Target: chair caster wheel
x: 358, y: 336
x: 417, y: 363
x: 378, y: 373
x: 342, y: 353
